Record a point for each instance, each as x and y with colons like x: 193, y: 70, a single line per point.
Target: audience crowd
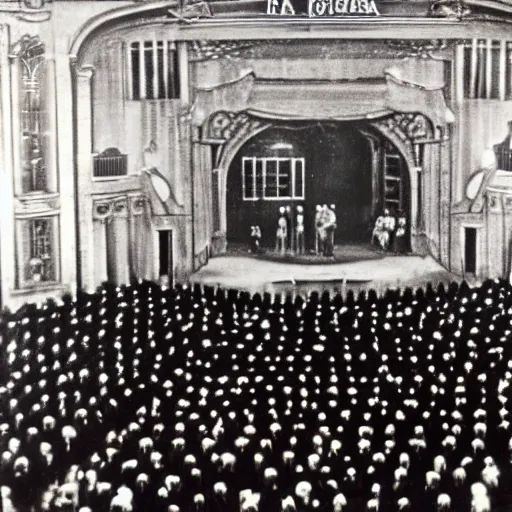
x: 143, y: 398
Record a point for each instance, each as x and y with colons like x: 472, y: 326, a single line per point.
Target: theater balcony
x: 503, y: 158
x: 110, y: 164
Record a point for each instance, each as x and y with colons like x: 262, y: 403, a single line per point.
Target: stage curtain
x: 402, y: 89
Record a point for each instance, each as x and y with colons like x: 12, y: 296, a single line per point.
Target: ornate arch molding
x: 101, y: 22
x: 407, y: 132
x: 228, y: 132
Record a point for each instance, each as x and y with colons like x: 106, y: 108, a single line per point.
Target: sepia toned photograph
x: 255, y: 255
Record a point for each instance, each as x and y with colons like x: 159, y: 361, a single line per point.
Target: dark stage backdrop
x: 337, y: 171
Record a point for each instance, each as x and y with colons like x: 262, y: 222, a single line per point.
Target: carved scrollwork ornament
x: 34, y: 4
x: 457, y: 9
x: 226, y: 125
x: 102, y: 210
x: 422, y: 49
x: 137, y: 205
x: 28, y: 47
x: 212, y: 50
x: 494, y: 204
x: 120, y: 207
x: 409, y: 128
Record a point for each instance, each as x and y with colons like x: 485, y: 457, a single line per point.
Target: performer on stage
x: 299, y: 234
x: 282, y: 232
x: 380, y: 231
x: 318, y: 226
x: 328, y: 225
x: 389, y: 226
x: 401, y: 229
x: 255, y: 239
x: 289, y: 228
x: 333, y: 209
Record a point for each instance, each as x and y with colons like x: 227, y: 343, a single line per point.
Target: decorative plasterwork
x: 36, y: 204
x: 211, y: 50
x: 226, y: 128
x: 191, y: 10
x: 27, y: 47
x: 494, y: 203
x: 223, y: 125
x: 32, y: 11
x: 422, y: 49
x: 408, y: 128
x: 457, y: 9
x: 119, y: 206
x: 335, y: 100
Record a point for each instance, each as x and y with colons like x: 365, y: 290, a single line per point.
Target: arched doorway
x: 315, y: 163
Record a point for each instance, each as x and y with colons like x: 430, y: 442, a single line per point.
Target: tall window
x: 37, y: 250
x: 34, y: 129
x: 487, y: 69
x: 273, y: 178
x: 153, y: 71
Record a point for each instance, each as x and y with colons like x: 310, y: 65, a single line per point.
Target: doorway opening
x: 470, y: 235
x: 165, y: 257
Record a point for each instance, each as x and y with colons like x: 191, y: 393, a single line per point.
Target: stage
x: 347, y: 253
x: 372, y: 269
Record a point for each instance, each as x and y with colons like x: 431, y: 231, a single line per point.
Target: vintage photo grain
x: 255, y: 255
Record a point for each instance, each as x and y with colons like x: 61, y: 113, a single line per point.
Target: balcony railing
x: 110, y: 164
x: 503, y: 158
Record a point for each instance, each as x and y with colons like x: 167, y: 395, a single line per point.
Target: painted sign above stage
x: 322, y: 8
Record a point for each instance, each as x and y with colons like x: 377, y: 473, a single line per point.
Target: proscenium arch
x: 233, y: 145
x: 230, y: 150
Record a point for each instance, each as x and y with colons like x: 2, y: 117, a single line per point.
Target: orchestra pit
x: 146, y: 398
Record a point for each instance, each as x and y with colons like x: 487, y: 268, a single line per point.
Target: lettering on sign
x: 322, y: 8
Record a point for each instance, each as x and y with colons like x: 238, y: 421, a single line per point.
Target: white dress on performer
x: 300, y: 233
x: 281, y: 234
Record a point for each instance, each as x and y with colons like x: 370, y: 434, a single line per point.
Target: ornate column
x: 120, y: 224
x: 84, y: 168
x: 184, y: 71
x: 444, y: 199
x: 408, y: 132
x: 376, y: 182
x: 101, y: 213
x: 53, y: 162
x: 15, y: 122
x: 7, y: 254
x: 459, y: 73
x: 226, y: 132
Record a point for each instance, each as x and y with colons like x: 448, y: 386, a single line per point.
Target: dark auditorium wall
x: 338, y: 171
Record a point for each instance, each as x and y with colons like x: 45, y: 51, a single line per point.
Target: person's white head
x: 386, y: 212
x: 332, y: 207
x: 318, y: 208
x: 282, y: 210
x: 300, y: 209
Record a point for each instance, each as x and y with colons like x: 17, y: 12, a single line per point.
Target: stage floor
x: 256, y: 274
x: 346, y: 253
